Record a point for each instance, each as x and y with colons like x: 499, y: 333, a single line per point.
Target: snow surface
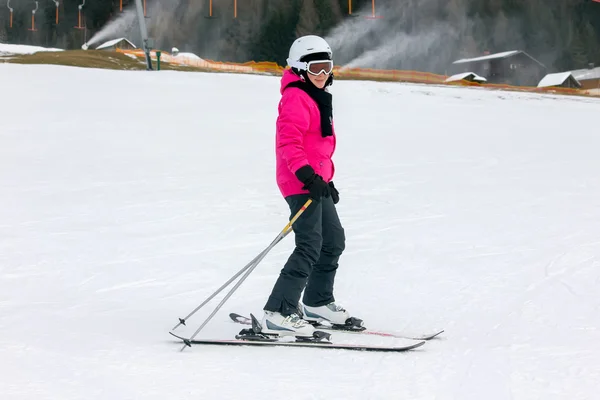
x: 190, y: 56
x: 9, y: 49
x: 468, y: 209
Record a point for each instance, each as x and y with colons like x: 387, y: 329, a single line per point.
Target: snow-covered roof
x: 471, y: 75
x: 586, y: 73
x: 555, y: 79
x: 496, y: 56
x: 111, y: 43
x: 488, y: 57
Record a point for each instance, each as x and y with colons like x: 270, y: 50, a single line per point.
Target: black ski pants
x: 312, y: 266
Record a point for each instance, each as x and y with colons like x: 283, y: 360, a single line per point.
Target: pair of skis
x: 321, y: 338
x: 254, y: 337
x: 349, y: 329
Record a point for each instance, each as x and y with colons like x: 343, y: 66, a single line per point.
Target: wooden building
x: 515, y: 68
x: 560, y: 79
x: 120, y: 43
x: 588, y: 77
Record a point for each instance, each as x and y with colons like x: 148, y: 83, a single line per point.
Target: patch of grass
x: 95, y: 59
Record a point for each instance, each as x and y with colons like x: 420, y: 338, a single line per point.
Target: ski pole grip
x: 298, y: 214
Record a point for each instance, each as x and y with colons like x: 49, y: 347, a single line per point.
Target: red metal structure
x: 10, y: 18
x: 33, y: 17
x: 373, y: 16
x: 79, y: 17
x: 57, y: 4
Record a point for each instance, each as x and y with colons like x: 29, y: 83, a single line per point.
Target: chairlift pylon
x: 80, y: 7
x: 10, y: 10
x: 57, y: 4
x: 33, y: 17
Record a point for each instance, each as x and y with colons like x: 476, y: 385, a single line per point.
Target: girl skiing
x: 305, y: 142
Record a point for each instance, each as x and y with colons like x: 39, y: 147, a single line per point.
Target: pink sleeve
x: 292, y: 124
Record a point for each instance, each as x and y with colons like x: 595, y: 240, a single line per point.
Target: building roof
x: 496, y: 56
x: 556, y: 79
x: 111, y: 43
x: 467, y: 76
x: 586, y: 73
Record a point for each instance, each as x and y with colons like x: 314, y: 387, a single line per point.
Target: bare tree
x: 308, y: 20
x: 3, y: 34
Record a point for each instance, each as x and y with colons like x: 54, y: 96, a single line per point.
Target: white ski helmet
x: 304, y: 46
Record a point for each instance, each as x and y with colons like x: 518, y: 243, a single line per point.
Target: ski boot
x: 334, y: 315
x: 276, y: 326
x: 291, y: 325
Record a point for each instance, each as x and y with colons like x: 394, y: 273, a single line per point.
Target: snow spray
x: 395, y: 41
x: 119, y: 27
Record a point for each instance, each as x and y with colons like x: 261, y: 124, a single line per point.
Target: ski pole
x: 287, y: 229
x: 233, y: 289
x: 248, y: 268
x: 283, y: 234
x: 182, y: 320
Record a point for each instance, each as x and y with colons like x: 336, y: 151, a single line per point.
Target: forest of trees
x: 425, y: 35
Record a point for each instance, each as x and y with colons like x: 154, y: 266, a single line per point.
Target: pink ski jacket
x: 298, y: 138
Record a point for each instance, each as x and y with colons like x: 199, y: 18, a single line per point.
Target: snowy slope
x: 132, y: 196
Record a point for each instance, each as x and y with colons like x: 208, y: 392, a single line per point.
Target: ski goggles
x: 317, y: 66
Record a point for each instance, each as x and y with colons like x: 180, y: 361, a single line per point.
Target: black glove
x: 313, y: 183
x: 335, y: 195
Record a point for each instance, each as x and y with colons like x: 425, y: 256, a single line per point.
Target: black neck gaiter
x: 324, y: 102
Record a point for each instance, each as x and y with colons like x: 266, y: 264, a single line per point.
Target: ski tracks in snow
x: 508, y: 353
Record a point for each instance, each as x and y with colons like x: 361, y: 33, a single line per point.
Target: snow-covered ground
x: 126, y: 198
x: 11, y: 49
